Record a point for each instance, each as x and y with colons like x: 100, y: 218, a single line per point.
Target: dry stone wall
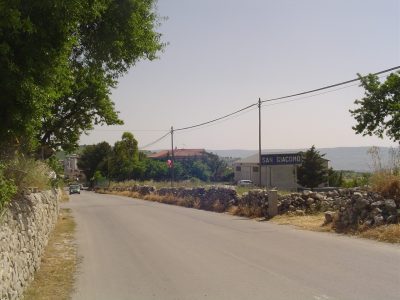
x: 345, y: 208
x: 365, y: 208
x: 24, y: 230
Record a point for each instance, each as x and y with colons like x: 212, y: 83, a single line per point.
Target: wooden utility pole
x: 259, y: 141
x: 173, y: 158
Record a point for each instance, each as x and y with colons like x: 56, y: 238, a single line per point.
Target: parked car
x: 74, y: 189
x: 245, y: 182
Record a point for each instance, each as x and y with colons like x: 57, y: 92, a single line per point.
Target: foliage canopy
x: 312, y: 171
x: 379, y: 110
x: 95, y: 158
x: 124, y: 161
x: 60, y: 59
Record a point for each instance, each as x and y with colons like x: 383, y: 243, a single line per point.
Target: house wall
x: 283, y: 177
x: 280, y: 176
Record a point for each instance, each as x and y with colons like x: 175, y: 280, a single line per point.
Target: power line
x: 224, y: 120
x: 263, y: 101
x: 169, y: 132
x: 156, y: 141
x: 217, y: 119
x: 283, y: 97
x: 328, y: 86
x: 134, y: 130
x: 310, y: 96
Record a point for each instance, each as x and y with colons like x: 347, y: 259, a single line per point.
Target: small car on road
x: 74, y: 189
x: 245, y: 182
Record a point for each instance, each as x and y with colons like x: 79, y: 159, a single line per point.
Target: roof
x: 179, y: 153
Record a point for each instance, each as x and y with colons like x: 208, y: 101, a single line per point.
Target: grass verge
x: 385, y: 233
x: 64, y: 196
x: 55, y: 278
x: 308, y: 222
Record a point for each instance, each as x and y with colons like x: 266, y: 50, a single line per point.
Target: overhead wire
x: 272, y: 100
x: 217, y: 119
x: 224, y: 120
x: 156, y: 141
x: 282, y: 97
x: 310, y: 96
x: 192, y: 129
x: 328, y: 86
x: 134, y: 130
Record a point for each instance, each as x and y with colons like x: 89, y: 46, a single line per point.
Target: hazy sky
x: 224, y: 55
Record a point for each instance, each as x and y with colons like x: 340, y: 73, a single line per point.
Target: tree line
x: 124, y: 161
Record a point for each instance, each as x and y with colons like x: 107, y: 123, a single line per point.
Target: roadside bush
x: 356, y: 181
x: 27, y: 172
x: 386, y: 176
x: 7, y: 189
x: 387, y: 184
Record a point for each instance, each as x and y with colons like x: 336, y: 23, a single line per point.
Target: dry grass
x: 64, y: 196
x: 55, y: 278
x: 172, y: 200
x: 128, y: 194
x: 27, y: 172
x: 165, y: 184
x: 387, y: 184
x: 308, y: 222
x: 233, y: 210
x: 166, y: 199
x: 249, y: 211
x: 387, y: 233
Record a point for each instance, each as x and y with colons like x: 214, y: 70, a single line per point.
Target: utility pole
x: 173, y: 158
x: 259, y: 141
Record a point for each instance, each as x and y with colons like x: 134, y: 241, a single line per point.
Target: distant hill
x: 341, y: 158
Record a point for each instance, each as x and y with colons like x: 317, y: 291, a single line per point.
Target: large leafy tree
x: 124, y: 162
x: 155, y: 169
x: 200, y: 170
x: 312, y: 171
x: 95, y: 158
x: 378, y: 112
x: 58, y: 61
x: 216, y: 165
x: 86, y: 103
x: 35, y: 45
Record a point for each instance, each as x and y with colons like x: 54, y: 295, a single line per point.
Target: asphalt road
x: 134, y: 249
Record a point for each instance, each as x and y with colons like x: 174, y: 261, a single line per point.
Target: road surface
x: 134, y: 249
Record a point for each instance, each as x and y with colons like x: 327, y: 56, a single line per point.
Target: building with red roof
x: 179, y: 154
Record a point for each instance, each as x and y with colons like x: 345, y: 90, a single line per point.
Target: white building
x: 71, y: 170
x: 278, y: 170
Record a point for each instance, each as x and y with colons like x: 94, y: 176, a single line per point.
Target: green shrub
x: 7, y: 189
x: 387, y: 184
x: 27, y: 172
x: 356, y: 182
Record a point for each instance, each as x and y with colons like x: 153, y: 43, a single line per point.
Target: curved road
x: 134, y: 249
